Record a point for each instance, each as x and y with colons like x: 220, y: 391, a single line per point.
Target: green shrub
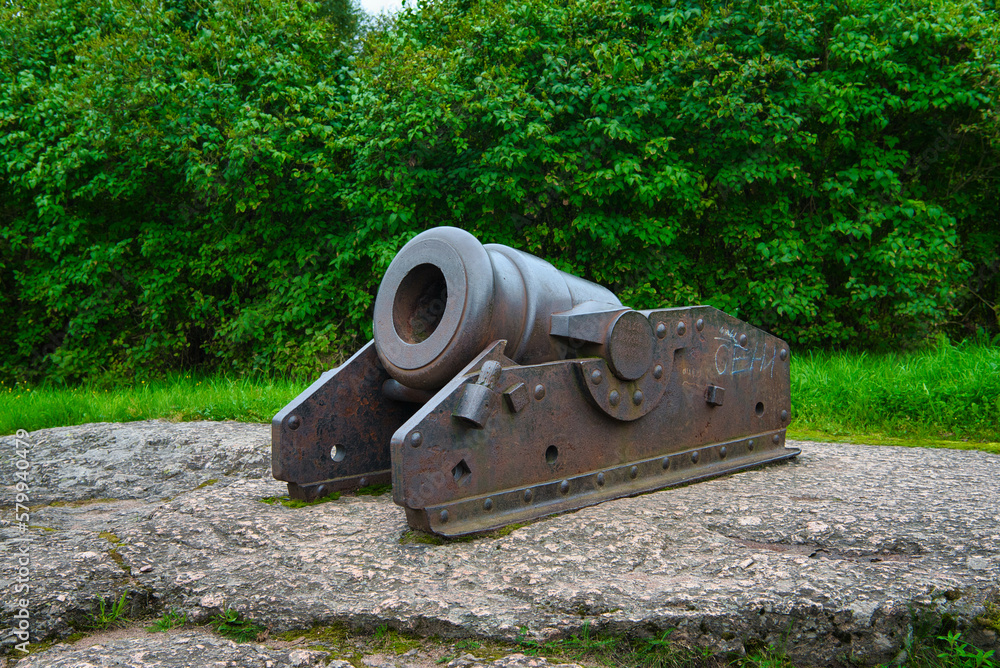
x: 169, y: 196
x: 816, y: 168
x: 222, y: 184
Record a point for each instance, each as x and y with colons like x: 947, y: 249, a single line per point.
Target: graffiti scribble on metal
x: 500, y: 389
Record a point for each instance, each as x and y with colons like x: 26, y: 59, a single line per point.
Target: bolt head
x: 363, y: 482
x: 681, y: 329
x: 633, y: 472
x: 600, y: 480
x: 416, y: 438
x: 444, y: 516
x: 784, y: 415
x: 661, y: 330
x: 564, y: 486
x: 657, y: 372
x: 665, y: 463
x: 783, y: 354
x: 539, y: 391
x: 596, y: 376
x: 294, y: 422
x: 699, y: 324
x: 723, y: 452
x: 750, y: 444
x: 637, y: 397
x: 527, y: 496
x: 488, y: 504
x: 694, y: 457
x: 776, y: 439
x: 614, y: 398
x: 743, y: 339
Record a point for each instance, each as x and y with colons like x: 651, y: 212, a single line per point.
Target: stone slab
x: 831, y: 554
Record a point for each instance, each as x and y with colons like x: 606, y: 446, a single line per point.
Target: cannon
x: 498, y: 389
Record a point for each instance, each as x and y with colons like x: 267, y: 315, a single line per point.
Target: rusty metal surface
x: 574, y: 444
x: 335, y: 435
x: 499, y: 389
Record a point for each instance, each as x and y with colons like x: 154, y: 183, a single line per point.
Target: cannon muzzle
x: 446, y: 296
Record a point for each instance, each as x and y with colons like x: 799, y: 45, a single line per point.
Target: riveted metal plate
x: 338, y: 430
x: 551, y: 497
x: 566, y: 437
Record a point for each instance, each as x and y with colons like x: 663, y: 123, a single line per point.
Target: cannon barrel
x: 446, y: 296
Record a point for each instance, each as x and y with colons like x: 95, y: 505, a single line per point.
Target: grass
x: 108, y: 615
x: 945, y: 396
x: 231, y: 624
x: 176, y: 397
x: 171, y: 619
x: 945, y: 651
x: 298, y: 503
x: 942, y: 396
x: 416, y: 536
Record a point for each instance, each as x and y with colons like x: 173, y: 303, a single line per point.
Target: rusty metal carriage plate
x: 595, y: 401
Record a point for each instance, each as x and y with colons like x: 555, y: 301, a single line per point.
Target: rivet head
x: 600, y: 480
x: 539, y: 391
x: 776, y: 439
x: 665, y: 463
x: 694, y: 457
x: 614, y: 398
x: 723, y: 452
x: 444, y: 516
x: 294, y: 422
x: 661, y: 330
x: 750, y: 444
x: 699, y: 324
x: 784, y: 415
x: 416, y: 438
x: 596, y: 376
x: 633, y: 472
x: 681, y: 329
x: 488, y: 504
x: 527, y: 496
x: 564, y: 486
x: 363, y: 482
x: 783, y: 354
x: 657, y: 372
x: 743, y: 339
x: 637, y: 397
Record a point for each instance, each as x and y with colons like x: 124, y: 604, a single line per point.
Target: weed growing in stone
x: 108, y: 616
x: 231, y: 624
x: 297, y: 503
x: 990, y: 619
x: 373, y: 490
x: 422, y: 537
x: 169, y: 620
x: 388, y: 639
x: 936, y: 642
x: 768, y: 657
x: 620, y: 651
x: 960, y: 655
x: 331, y: 638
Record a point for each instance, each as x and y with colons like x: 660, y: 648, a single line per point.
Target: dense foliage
x: 224, y: 182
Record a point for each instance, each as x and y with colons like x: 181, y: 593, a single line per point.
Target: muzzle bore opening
x: 419, y: 303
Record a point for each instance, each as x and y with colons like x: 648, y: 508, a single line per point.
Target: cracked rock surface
x: 830, y: 555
